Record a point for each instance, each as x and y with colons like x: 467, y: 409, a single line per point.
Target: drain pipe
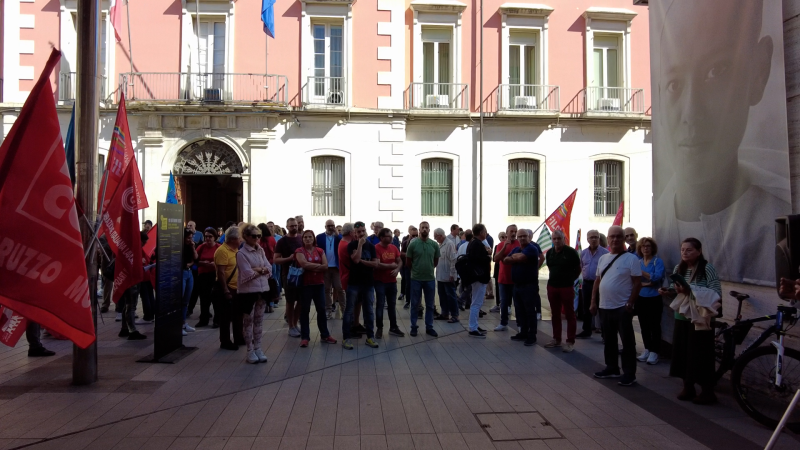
x: 480, y: 105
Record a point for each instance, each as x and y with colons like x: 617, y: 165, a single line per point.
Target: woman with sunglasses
x: 254, y: 274
x: 314, y: 263
x: 206, y: 273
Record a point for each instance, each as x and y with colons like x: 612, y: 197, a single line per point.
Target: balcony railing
x: 528, y: 98
x: 325, y: 91
x: 205, y: 87
x: 614, y: 100
x: 453, y: 96
x: 67, y: 87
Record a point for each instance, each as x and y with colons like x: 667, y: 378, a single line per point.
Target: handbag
x: 295, y: 276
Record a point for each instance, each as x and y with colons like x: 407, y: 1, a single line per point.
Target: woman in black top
x: 189, y: 257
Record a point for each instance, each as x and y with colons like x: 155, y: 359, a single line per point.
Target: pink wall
x: 566, y: 36
x: 155, y: 36
x: 366, y: 64
x: 156, y: 28
x: 45, y: 36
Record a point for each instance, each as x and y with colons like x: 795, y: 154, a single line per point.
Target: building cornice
x: 525, y: 9
x: 438, y: 6
x: 598, y: 13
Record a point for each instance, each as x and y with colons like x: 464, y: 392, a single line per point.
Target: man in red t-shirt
x: 389, y: 265
x: 506, y: 284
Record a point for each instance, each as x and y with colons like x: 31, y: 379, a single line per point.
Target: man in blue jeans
x: 506, y: 284
x: 525, y: 261
x: 360, y: 285
x: 421, y: 257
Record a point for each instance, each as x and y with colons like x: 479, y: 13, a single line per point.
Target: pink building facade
x: 367, y: 109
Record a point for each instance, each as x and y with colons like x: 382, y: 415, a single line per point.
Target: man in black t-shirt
x: 284, y: 255
x: 360, y: 285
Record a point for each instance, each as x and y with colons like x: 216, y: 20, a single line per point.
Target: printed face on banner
x: 720, y: 147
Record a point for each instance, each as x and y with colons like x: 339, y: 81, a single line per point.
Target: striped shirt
x: 446, y: 269
x: 710, y: 281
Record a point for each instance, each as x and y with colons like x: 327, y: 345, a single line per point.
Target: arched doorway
x: 209, y: 173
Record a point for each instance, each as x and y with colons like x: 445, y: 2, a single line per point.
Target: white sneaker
x: 500, y: 328
x: 645, y: 354
x: 294, y: 332
x: 652, y: 359
x: 188, y: 328
x: 495, y: 308
x: 119, y: 318
x: 261, y: 357
x: 252, y: 358
x: 184, y: 333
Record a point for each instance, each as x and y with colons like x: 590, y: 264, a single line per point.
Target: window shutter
x: 327, y: 186
x: 523, y: 187
x: 607, y: 187
x: 437, y: 187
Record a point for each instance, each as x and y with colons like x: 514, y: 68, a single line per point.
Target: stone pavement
x: 453, y: 392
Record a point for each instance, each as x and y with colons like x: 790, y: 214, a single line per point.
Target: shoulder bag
x: 295, y: 276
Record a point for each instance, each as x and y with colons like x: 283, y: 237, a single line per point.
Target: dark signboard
x: 168, y: 307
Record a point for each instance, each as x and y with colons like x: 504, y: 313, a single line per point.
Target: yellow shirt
x: 225, y: 256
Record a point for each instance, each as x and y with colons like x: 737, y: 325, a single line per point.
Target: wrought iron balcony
x: 328, y: 92
x: 528, y: 98
x: 67, y: 87
x: 453, y: 96
x: 205, y: 87
x: 614, y: 100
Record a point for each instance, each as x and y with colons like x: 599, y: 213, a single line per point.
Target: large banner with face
x: 720, y: 144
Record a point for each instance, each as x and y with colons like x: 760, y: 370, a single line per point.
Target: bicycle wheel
x: 753, y: 385
x: 720, y: 357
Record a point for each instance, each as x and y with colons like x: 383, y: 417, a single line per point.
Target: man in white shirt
x: 619, y: 279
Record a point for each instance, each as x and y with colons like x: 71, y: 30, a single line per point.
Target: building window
x: 523, y: 187
x: 212, y: 51
x: 607, y: 187
x: 606, y: 62
x: 328, y: 83
x: 327, y: 186
x: 437, y: 187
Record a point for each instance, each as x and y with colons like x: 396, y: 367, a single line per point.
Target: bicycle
x: 764, y: 378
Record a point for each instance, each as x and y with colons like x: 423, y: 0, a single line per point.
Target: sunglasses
x: 257, y: 236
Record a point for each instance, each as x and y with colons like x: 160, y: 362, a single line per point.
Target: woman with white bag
x: 693, y: 338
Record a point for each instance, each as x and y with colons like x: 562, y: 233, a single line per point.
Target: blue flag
x: 268, y: 17
x: 171, y: 195
x: 69, y: 146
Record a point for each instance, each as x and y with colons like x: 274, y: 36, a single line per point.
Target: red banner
x: 620, y: 213
x: 12, y: 326
x: 42, y: 268
x: 120, y: 154
x: 120, y: 222
x: 560, y: 218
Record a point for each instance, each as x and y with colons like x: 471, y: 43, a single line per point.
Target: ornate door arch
x: 207, y: 157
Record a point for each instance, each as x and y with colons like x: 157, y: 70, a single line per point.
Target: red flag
x: 152, y: 239
x: 121, y: 224
x: 120, y: 154
x: 12, y: 326
x: 620, y: 213
x: 559, y: 220
x: 115, y: 13
x: 42, y: 268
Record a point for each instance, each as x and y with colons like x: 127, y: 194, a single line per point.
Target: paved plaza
x: 454, y: 392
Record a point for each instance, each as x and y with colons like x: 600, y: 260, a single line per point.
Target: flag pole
x: 130, y: 44
x: 84, y: 361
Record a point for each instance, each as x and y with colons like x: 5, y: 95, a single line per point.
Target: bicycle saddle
x: 739, y: 296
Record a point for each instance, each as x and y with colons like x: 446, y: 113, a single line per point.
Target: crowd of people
x: 243, y: 271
